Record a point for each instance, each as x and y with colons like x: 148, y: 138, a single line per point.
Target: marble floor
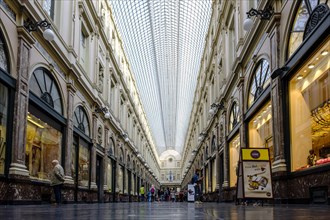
x: 164, y: 210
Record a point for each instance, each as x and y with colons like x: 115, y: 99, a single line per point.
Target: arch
x: 80, y: 120
x: 260, y: 80
x: 233, y: 116
x: 111, y: 150
x: 121, y: 155
x: 43, y: 84
x: 298, y: 29
x: 4, y: 54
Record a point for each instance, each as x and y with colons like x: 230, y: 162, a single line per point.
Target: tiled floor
x: 164, y: 210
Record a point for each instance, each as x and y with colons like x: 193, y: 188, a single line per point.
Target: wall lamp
x: 265, y: 14
x: 215, y: 106
x: 33, y: 26
x: 125, y: 136
x: 202, y: 136
x: 103, y: 110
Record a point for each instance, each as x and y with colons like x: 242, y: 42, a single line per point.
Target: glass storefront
x: 214, y: 175
x: 120, y: 179
x: 109, y: 177
x: 83, y: 164
x: 309, y: 94
x: 234, y: 151
x: 261, y: 130
x: 43, y: 145
x: 3, y: 125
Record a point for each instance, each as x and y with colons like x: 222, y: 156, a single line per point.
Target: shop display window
x: 234, y: 150
x: 120, y: 181
x: 214, y: 175
x: 43, y: 145
x: 83, y: 164
x: 3, y: 125
x: 109, y: 177
x: 261, y: 130
x: 309, y: 94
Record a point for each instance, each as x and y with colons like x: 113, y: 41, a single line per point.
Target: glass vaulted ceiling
x: 164, y: 42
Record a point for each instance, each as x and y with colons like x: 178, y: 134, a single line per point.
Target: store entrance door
x: 99, y: 179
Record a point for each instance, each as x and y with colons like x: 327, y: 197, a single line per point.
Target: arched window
x: 3, y: 55
x: 234, y: 116
x: 260, y: 81
x: 111, y: 147
x: 121, y: 155
x: 213, y: 146
x: 80, y: 120
x: 298, y: 27
x: 128, y: 161
x: 43, y: 85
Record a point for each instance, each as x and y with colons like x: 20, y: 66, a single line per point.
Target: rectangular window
x: 83, y: 48
x: 3, y: 125
x: 43, y: 145
x: 309, y: 97
x: 48, y: 6
x: 234, y: 148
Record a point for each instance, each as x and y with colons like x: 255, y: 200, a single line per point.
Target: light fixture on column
x: 201, y: 136
x: 216, y: 106
x: 125, y: 136
x: 103, y: 110
x: 33, y: 26
x: 265, y: 14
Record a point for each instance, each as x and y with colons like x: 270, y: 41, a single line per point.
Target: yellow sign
x: 255, y: 154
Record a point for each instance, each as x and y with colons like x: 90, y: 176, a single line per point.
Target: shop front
x: 306, y: 109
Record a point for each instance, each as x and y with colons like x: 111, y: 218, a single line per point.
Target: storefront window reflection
x: 234, y: 148
x: 309, y: 91
x: 3, y: 125
x: 83, y: 164
x: 43, y: 145
x: 120, y: 179
x: 261, y: 130
x: 109, y: 177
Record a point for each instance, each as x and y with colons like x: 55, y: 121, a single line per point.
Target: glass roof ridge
x: 162, y: 39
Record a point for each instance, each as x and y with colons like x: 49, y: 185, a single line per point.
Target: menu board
x: 255, y: 173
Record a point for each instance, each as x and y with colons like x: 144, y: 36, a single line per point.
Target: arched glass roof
x: 164, y: 42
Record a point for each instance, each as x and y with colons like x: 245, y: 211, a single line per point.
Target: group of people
x: 150, y: 194
x: 57, y: 180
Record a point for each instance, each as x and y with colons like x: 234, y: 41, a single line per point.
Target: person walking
x: 152, y: 191
x: 57, y: 180
x: 142, y: 193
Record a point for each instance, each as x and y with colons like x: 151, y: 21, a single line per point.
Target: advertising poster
x: 191, y: 193
x: 257, y: 179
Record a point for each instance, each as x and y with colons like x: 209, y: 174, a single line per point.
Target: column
x: 93, y: 153
x: 279, y: 164
x: 225, y: 155
x: 68, y: 145
x: 106, y: 159
x: 17, y: 167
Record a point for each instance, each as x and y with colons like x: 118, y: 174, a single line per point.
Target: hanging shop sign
x: 254, y: 180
